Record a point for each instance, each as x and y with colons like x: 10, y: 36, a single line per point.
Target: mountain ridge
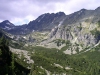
x: 51, y: 20
x: 80, y: 27
x: 57, y: 43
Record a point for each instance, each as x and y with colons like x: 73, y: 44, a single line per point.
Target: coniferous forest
x: 8, y: 65
x: 87, y: 63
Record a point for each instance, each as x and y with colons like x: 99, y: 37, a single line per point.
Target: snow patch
x: 38, y: 20
x: 7, y: 28
x: 33, y: 30
x: 80, y: 12
x: 60, y: 23
x: 24, y: 37
x: 8, y: 23
x: 43, y: 16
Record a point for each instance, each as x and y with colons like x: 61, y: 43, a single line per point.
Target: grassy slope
x: 80, y: 64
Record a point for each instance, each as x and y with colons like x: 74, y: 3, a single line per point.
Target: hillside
x: 53, y: 44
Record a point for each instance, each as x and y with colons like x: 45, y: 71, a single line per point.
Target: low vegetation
x: 49, y: 60
x: 8, y: 65
x: 79, y: 64
x: 96, y: 33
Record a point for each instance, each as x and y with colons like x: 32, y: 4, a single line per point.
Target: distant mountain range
x: 44, y: 22
x: 47, y: 21
x: 81, y: 27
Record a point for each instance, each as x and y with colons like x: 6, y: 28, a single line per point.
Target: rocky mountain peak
x: 60, y: 13
x: 7, y: 22
x: 46, y: 21
x: 51, y: 15
x: 83, y: 9
x: 97, y: 10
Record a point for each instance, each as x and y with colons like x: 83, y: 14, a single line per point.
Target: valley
x: 53, y: 44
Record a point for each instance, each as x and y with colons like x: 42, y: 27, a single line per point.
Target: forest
x: 83, y: 63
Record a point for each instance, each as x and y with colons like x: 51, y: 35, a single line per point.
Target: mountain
x: 46, y: 21
x: 8, y: 64
x: 18, y: 30
x: 57, y: 43
x: 6, y: 25
x: 81, y: 27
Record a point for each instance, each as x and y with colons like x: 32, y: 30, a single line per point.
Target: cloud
x: 23, y: 11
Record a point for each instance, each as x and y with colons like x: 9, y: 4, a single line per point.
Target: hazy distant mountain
x: 6, y: 25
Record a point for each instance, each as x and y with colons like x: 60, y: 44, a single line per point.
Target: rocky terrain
x: 77, y: 27
x: 53, y: 37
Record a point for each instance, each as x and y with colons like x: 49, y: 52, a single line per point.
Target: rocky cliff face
x: 76, y: 33
x: 81, y: 27
x: 46, y: 21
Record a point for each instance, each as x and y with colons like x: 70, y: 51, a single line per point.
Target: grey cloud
x: 9, y: 10
x: 12, y: 9
x: 17, y: 8
x: 48, y: 1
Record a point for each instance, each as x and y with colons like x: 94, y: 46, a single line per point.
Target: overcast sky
x: 22, y: 11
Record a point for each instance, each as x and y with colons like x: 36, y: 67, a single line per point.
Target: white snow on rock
x: 8, y: 23
x: 6, y: 27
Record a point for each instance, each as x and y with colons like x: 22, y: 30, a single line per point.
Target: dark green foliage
x: 8, y: 65
x: 77, y: 50
x: 99, y: 23
x: 64, y: 48
x: 59, y: 42
x: 81, y: 64
x: 17, y: 45
x: 80, y: 28
x: 84, y: 63
x: 5, y: 57
x: 96, y: 33
x: 68, y: 43
x: 46, y: 58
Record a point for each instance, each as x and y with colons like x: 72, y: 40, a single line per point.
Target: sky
x: 23, y: 11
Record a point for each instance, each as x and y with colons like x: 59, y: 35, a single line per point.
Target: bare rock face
x: 80, y: 27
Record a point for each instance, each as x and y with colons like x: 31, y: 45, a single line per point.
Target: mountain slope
x: 6, y: 25
x: 81, y: 27
x: 44, y: 22
x: 58, y: 44
x: 47, y: 21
